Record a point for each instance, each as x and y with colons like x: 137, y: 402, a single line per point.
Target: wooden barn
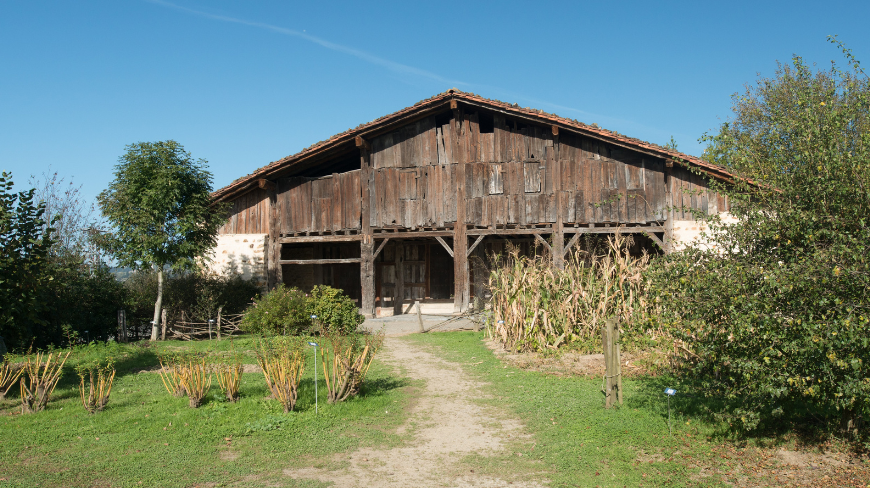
x: 398, y: 206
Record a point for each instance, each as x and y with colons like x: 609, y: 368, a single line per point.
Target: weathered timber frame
x: 462, y: 168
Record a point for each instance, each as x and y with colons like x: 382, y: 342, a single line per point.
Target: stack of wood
x: 188, y: 328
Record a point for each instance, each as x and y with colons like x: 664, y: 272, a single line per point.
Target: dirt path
x: 447, y: 426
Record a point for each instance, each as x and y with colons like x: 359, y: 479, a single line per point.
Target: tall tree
x: 25, y: 242
x: 160, y: 207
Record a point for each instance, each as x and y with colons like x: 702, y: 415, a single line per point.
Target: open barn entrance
x: 344, y: 276
x: 411, y: 270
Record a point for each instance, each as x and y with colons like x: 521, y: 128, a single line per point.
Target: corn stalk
x: 41, y: 373
x: 95, y: 395
x: 282, y: 360
x: 536, y: 306
x: 346, y: 362
x: 9, y: 374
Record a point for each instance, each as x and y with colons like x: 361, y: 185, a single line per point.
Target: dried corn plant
x: 96, y: 390
x: 346, y: 361
x: 536, y: 306
x: 195, y: 378
x: 229, y: 376
x: 42, y: 371
x: 9, y: 374
x: 282, y: 360
x: 170, y: 373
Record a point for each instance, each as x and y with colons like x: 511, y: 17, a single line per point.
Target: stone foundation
x: 243, y: 255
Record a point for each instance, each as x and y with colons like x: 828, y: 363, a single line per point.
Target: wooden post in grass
x: 220, y: 309
x: 613, y: 368
x: 419, y: 316
x: 163, y: 322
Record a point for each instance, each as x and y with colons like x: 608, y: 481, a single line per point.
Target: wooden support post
x: 460, y: 239
x: 669, y: 202
x: 399, y: 288
x: 367, y: 256
x: 617, y: 359
x: 274, y: 276
x: 479, y: 278
x: 419, y: 316
x: 558, y: 252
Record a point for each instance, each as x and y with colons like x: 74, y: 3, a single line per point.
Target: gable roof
x: 439, y: 102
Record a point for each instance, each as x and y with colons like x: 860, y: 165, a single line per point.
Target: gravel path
x: 447, y: 425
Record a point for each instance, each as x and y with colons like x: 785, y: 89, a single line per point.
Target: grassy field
x: 579, y: 443
x: 146, y: 437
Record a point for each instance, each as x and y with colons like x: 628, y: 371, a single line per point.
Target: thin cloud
x: 386, y: 63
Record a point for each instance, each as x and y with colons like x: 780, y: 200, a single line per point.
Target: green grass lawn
x: 146, y: 437
x: 579, y: 443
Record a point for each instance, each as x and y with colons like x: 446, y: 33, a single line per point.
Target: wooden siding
x: 249, y: 214
x: 510, y: 179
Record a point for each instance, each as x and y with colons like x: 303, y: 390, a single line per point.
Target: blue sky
x: 242, y: 84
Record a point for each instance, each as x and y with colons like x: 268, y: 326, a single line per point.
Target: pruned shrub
x: 282, y: 360
x: 282, y: 311
x: 195, y: 378
x: 171, y: 374
x: 229, y: 376
x: 346, y: 361
x: 42, y: 371
x: 9, y: 374
x: 96, y: 389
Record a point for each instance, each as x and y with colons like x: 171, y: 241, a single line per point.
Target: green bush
x: 282, y: 311
x: 776, y: 310
x: 334, y: 310
x: 288, y: 311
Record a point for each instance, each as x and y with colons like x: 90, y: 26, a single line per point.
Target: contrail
x: 391, y: 65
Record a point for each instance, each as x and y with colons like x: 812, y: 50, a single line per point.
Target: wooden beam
x: 449, y: 250
x: 381, y: 246
x: 454, y: 104
x: 362, y: 143
x: 571, y: 243
x: 555, y: 129
x: 316, y: 239
x: 656, y: 239
x: 367, y: 243
x: 265, y: 184
x: 508, y: 232
x: 471, y: 248
x: 542, y: 241
x: 614, y: 230
x: 414, y: 234
x: 274, y: 276
x: 321, y: 261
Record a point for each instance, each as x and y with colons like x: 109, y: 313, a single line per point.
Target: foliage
x: 346, y: 361
x: 536, y: 306
x: 198, y: 294
x: 25, y: 243
x: 9, y: 374
x: 171, y: 373
x: 338, y: 313
x: 160, y: 207
x: 42, y: 371
x: 101, y: 376
x: 282, y: 360
x: 281, y: 311
x: 777, y: 306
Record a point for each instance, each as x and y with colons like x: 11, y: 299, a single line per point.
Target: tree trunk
x: 157, y: 306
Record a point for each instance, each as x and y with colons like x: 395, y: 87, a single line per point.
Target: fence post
x: 612, y: 363
x: 219, y: 323
x: 163, y: 327
x: 122, y: 325
x: 617, y: 358
x: 419, y: 316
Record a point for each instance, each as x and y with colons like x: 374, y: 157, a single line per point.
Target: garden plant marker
x: 670, y: 392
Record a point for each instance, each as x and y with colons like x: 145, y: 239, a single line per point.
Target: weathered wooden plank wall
x: 509, y: 179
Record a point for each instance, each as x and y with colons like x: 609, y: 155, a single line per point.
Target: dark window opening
x: 487, y: 123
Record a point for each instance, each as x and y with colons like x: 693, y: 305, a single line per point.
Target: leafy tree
x: 25, y: 242
x: 160, y: 207
x: 778, y: 308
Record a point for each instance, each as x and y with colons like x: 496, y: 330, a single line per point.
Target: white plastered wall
x: 241, y: 254
x: 689, y: 231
